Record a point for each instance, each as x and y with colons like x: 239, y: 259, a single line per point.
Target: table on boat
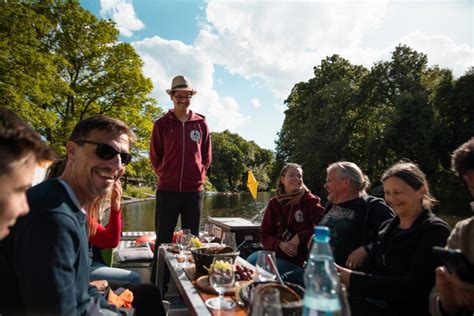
x: 193, y: 297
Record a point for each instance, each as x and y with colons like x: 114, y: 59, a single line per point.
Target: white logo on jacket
x: 299, y: 216
x: 195, y: 135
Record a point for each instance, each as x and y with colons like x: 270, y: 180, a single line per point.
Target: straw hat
x: 181, y: 83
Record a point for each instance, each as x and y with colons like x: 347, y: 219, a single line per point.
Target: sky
x: 244, y: 56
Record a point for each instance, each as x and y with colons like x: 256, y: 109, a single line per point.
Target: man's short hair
x: 17, y: 139
x: 101, y: 123
x: 462, y: 159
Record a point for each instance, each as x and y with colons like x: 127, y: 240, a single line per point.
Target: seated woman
x: 101, y: 237
x: 401, y: 265
x: 289, y: 219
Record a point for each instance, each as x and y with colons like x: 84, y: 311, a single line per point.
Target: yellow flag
x: 252, y: 184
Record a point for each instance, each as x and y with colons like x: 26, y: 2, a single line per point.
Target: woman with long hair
x: 289, y: 219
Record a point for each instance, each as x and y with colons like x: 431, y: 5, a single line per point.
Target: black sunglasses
x: 106, y: 152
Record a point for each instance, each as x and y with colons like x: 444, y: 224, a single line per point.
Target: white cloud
x: 256, y: 104
x: 278, y: 43
x: 164, y: 59
x: 123, y: 14
x: 441, y: 51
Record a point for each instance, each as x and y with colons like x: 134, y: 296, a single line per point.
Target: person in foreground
x: 21, y: 149
x: 49, y: 246
x: 400, y: 265
x: 353, y: 216
x: 452, y: 296
x: 289, y: 219
x: 101, y: 237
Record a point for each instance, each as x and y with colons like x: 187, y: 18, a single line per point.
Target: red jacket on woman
x: 109, y: 236
x: 298, y: 219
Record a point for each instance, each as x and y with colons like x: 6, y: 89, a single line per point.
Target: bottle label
x: 321, y: 306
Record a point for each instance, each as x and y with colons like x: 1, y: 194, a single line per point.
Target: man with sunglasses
x: 180, y: 153
x: 49, y: 247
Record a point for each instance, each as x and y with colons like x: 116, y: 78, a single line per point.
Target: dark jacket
x: 47, y: 253
x: 402, y: 265
x: 354, y: 223
x: 180, y: 153
x: 299, y: 219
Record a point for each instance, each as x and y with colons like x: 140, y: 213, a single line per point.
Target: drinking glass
x: 208, y: 234
x: 221, y: 278
x: 265, y: 302
x: 229, y: 240
x: 263, y: 268
x: 183, y: 244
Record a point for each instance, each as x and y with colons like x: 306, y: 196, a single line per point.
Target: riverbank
x: 135, y: 200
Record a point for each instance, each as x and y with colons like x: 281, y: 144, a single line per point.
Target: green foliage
x: 138, y: 192
x: 208, y: 186
x: 398, y: 109
x: 59, y: 64
x: 232, y: 157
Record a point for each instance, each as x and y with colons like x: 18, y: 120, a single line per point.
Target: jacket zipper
x: 182, y: 161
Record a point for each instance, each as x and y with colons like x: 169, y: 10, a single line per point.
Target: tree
x: 232, y: 157
x: 61, y: 64
x: 398, y: 109
x: 319, y: 122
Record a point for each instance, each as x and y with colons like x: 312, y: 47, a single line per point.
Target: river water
x: 141, y: 216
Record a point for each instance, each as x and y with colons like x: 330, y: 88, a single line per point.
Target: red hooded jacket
x: 180, y: 153
x: 299, y: 219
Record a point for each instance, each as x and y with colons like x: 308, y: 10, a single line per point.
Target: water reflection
x: 141, y: 216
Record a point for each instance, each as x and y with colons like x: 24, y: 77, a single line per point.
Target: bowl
x: 203, y: 259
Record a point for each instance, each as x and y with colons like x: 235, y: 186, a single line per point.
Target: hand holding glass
x: 221, y: 278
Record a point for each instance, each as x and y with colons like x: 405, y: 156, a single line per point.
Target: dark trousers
x: 169, y: 205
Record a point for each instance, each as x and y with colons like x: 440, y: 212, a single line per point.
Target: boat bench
x: 142, y: 267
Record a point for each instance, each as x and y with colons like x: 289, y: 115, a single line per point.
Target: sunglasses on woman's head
x: 106, y: 152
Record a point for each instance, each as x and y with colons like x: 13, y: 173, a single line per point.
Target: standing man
x: 47, y: 251
x: 451, y: 295
x: 21, y: 149
x: 180, y: 153
x: 352, y: 216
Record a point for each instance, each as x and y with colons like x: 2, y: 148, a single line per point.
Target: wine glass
x: 265, y: 301
x: 183, y: 243
x: 208, y: 234
x: 229, y: 240
x: 263, y: 267
x: 221, y: 277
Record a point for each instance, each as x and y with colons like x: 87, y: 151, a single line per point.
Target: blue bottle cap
x: 321, y: 233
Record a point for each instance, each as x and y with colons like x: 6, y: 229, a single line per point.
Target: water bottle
x: 320, y: 277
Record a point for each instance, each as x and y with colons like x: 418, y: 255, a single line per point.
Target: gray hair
x: 351, y: 171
